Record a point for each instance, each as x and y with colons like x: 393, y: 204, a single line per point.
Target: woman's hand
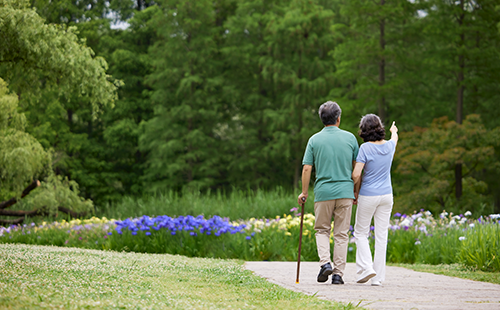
x: 393, y: 129
x: 394, y: 132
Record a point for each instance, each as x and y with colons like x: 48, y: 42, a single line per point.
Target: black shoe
x: 336, y: 279
x: 325, y: 271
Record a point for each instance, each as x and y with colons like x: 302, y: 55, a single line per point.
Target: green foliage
x: 180, y: 139
x: 35, y: 55
x: 426, y: 159
x: 57, y: 191
x: 22, y: 158
x: 419, y: 238
x: 238, y: 204
x: 223, y: 95
x: 481, y: 248
x: 374, y: 60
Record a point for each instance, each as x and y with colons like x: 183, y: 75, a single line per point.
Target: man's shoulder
x: 348, y: 135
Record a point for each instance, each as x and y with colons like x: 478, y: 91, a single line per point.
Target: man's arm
x: 306, y: 177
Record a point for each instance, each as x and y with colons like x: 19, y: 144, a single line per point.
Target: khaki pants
x: 340, y: 209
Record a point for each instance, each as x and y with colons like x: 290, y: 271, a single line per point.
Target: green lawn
x: 70, y: 278
x: 455, y: 270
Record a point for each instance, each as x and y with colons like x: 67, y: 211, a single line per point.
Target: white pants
x: 378, y: 207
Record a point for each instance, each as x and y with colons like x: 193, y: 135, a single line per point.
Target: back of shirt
x: 377, y: 171
x: 332, y: 151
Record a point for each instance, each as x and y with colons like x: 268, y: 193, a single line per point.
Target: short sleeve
x: 361, y: 158
x: 308, y: 155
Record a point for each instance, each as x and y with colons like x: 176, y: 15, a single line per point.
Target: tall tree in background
x: 182, y: 139
x: 248, y: 137
x: 302, y: 73
x: 427, y: 158
x: 39, y: 59
x: 102, y: 153
x: 370, y: 60
x: 462, y: 48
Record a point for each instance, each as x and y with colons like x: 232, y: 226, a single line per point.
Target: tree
x: 248, y: 138
x: 22, y: 161
x: 462, y: 48
x: 182, y: 139
x: 22, y: 157
x: 34, y: 56
x: 301, y: 71
x: 373, y: 56
x: 46, y: 66
x: 426, y: 159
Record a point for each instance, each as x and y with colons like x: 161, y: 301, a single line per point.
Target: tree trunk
x: 460, y: 97
x: 26, y: 191
x: 12, y: 222
x: 72, y: 213
x: 381, y: 69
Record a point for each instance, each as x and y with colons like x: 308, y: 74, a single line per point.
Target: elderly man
x: 332, y: 152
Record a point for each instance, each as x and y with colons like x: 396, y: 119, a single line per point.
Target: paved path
x: 402, y: 289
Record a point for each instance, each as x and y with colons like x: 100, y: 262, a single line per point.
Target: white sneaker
x: 376, y: 283
x: 366, y: 275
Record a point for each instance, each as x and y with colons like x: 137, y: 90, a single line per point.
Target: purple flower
x: 248, y: 237
x: 397, y: 214
x: 110, y: 233
x: 148, y: 233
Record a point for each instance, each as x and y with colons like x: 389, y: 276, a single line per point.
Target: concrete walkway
x: 402, y: 289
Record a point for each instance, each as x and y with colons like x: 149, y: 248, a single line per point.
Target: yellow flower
x: 288, y: 233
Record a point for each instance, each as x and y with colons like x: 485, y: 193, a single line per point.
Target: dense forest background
x: 106, y: 99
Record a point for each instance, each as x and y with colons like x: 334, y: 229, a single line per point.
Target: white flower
x: 494, y: 216
x: 427, y: 213
x: 452, y: 222
x: 456, y: 217
x: 471, y: 225
x: 417, y: 242
x: 467, y: 213
x: 461, y: 238
x: 462, y: 220
x: 406, y: 222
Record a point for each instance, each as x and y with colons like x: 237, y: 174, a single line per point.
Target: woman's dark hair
x: 371, y: 128
x: 329, y: 112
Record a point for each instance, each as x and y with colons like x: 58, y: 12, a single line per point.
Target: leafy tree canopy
x: 426, y: 160
x: 34, y: 56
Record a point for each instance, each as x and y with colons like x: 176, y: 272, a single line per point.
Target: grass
x: 455, y: 270
x: 236, y: 205
x: 33, y: 277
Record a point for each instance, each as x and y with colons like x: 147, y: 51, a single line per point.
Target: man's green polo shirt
x: 332, y: 151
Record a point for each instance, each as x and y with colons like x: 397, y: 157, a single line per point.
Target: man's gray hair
x: 329, y: 112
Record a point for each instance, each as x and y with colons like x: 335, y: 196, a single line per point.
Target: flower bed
x: 416, y: 238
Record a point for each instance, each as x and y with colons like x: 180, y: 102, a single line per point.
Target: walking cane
x: 300, y: 238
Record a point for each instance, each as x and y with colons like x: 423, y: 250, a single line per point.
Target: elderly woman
x: 375, y: 196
